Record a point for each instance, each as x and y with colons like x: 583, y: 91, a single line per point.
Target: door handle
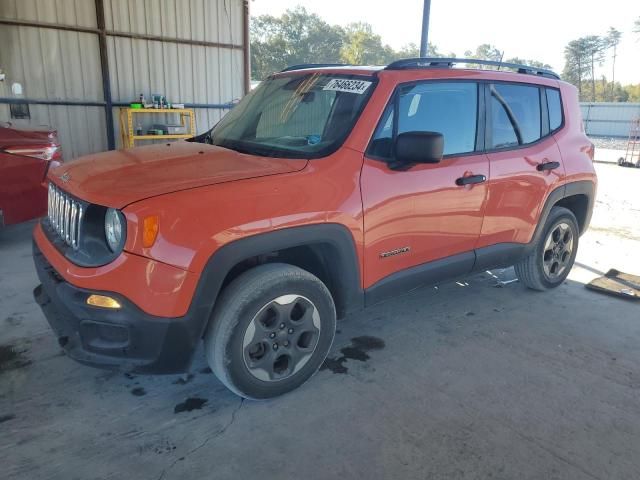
x: 470, y: 180
x: 541, y: 167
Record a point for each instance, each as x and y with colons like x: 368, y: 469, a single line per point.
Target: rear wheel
x: 548, y: 265
x: 271, y: 330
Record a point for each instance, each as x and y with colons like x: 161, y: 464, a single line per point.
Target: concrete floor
x: 472, y: 380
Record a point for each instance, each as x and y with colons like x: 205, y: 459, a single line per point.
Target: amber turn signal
x: 103, y: 301
x: 149, y: 231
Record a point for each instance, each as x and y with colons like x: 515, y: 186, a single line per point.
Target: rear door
x: 524, y: 160
x: 417, y: 215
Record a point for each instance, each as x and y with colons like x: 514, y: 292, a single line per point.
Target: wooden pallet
x: 618, y: 284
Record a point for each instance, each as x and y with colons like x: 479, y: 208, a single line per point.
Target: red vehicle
x: 326, y: 189
x: 25, y: 159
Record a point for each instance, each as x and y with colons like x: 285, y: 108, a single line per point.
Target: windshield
x: 299, y: 116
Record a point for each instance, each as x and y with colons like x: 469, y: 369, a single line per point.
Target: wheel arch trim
x: 345, y: 269
x: 582, y: 187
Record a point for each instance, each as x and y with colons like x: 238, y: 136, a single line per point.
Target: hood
x: 118, y: 178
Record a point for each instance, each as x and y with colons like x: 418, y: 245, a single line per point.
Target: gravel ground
x: 617, y: 209
x: 612, y: 143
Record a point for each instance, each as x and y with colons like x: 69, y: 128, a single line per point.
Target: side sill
x: 426, y: 274
x: 500, y: 255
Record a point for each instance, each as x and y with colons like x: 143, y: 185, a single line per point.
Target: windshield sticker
x: 349, y: 86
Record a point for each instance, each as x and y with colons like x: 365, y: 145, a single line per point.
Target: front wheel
x: 551, y: 260
x: 270, y: 331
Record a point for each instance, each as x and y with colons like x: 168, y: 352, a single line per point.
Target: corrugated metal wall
x: 184, y: 73
x: 608, y: 119
x: 53, y: 64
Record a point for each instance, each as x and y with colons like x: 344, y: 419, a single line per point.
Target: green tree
x: 633, y: 91
x: 412, y: 50
x: 582, y: 55
x: 485, y: 52
x: 301, y: 37
x: 363, y: 47
x: 613, y: 40
x: 609, y: 91
x: 616, y: 93
x: 493, y: 53
x: 530, y: 63
x: 595, y: 49
x: 296, y: 37
x: 576, y: 67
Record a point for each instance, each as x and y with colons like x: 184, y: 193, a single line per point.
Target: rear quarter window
x: 555, y: 108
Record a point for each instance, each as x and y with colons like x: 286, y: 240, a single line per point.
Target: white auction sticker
x: 345, y: 85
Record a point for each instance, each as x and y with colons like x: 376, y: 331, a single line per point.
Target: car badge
x: 65, y: 177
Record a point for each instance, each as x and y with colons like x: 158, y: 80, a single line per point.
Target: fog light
x: 103, y: 301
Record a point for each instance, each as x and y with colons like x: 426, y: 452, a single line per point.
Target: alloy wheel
x: 557, y: 252
x: 281, y: 338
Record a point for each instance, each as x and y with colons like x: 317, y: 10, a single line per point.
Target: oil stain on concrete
x: 6, y: 418
x: 138, y: 392
x: 358, y: 350
x: 191, y: 403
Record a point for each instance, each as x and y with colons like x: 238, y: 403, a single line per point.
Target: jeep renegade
x: 326, y: 189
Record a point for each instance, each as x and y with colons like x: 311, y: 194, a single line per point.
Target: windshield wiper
x: 255, y: 149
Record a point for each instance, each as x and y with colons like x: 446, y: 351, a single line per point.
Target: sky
x: 534, y: 29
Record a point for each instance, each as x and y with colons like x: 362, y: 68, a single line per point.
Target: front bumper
x: 127, y: 339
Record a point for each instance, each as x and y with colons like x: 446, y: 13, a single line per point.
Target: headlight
x: 113, y: 229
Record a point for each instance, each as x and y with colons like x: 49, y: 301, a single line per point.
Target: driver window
x: 450, y: 108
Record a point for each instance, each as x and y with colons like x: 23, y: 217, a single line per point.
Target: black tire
x: 533, y: 270
x: 246, y: 308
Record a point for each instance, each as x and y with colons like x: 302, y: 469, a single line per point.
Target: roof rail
x: 312, y: 65
x: 434, y: 62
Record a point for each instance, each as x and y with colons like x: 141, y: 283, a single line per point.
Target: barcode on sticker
x: 350, y: 86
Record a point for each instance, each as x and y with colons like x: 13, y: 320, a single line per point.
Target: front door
x: 425, y: 212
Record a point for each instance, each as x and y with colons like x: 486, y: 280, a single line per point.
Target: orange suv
x: 326, y: 189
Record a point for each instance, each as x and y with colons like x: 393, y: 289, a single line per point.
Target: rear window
x: 515, y: 115
x: 555, y: 108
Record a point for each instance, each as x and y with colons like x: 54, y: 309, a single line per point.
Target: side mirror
x: 419, y: 147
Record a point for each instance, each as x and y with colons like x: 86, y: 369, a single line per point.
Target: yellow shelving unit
x: 187, y: 119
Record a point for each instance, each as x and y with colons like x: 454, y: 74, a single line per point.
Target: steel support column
x: 106, y: 81
x: 424, y: 41
x: 246, y: 53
